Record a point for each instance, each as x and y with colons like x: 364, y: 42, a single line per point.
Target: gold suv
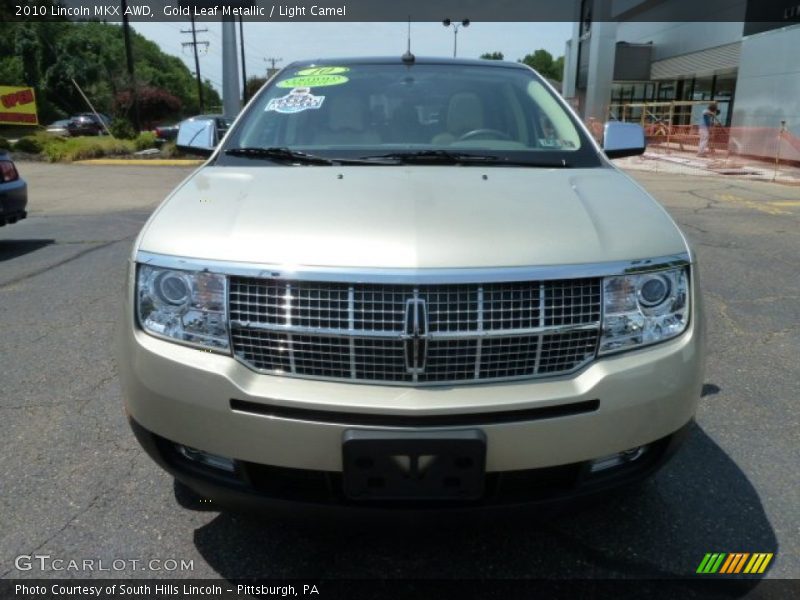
x: 410, y: 282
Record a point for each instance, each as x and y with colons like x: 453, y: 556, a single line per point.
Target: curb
x: 139, y: 162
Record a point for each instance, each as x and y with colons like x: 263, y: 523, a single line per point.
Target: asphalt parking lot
x: 76, y: 485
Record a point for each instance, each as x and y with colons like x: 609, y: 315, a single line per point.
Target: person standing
x: 707, y: 121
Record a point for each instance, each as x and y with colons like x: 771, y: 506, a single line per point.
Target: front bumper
x: 255, y: 486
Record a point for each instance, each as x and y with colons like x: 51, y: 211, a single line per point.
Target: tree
x: 155, y: 105
x: 254, y: 84
x: 542, y: 61
x: 12, y: 70
x: 558, y: 65
x: 49, y: 54
x: 492, y: 55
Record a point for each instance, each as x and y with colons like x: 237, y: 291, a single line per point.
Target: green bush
x: 145, y: 140
x: 84, y: 148
x: 28, y: 144
x: 4, y: 144
x: 122, y: 129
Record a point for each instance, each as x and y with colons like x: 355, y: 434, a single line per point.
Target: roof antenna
x: 408, y: 58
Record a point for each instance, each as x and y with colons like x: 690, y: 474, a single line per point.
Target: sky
x: 295, y: 41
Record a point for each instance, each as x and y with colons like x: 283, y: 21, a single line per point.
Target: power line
x: 253, y: 49
x: 194, y: 44
x: 209, y: 50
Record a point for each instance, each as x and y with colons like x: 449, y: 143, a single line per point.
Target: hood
x: 411, y: 217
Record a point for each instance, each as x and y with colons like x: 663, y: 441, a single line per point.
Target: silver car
x: 410, y: 282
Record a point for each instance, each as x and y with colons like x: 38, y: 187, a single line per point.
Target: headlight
x: 644, y: 309
x: 187, y: 306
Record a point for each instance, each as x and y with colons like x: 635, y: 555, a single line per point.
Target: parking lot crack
x: 96, y: 386
x: 771, y: 335
x: 60, y: 263
x: 94, y: 500
x: 34, y: 406
x: 723, y: 312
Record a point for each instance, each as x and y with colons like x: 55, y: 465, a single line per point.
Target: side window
x: 561, y: 134
x: 548, y: 138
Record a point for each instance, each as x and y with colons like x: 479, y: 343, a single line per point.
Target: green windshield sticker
x: 312, y: 81
x: 323, y: 71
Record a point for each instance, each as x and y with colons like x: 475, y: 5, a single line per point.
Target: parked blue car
x: 13, y: 192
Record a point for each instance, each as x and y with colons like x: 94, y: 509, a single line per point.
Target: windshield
x: 395, y: 110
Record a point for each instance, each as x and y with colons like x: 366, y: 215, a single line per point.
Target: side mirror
x: 623, y: 139
x: 197, y: 136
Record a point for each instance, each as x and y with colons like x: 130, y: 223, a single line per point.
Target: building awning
x: 705, y: 62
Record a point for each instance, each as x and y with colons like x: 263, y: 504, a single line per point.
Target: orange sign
x: 17, y: 106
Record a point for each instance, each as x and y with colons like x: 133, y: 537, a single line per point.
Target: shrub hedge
x: 30, y: 144
x: 67, y: 149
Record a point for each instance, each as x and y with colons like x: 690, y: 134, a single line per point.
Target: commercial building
x: 743, y: 54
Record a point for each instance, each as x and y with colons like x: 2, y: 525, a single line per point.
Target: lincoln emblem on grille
x: 416, y: 335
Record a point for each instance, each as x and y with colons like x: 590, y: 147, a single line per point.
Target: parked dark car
x: 88, y: 124
x: 59, y: 127
x: 166, y: 133
x: 13, y: 192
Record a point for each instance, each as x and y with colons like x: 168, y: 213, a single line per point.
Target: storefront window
x: 723, y: 94
x: 666, y: 90
x: 703, y: 88
x: 686, y: 87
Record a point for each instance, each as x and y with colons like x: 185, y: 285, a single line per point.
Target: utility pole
x: 271, y: 70
x: 244, y: 70
x: 131, y: 73
x: 231, y: 101
x: 194, y: 43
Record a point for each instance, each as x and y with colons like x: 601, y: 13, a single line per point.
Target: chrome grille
x: 407, y: 334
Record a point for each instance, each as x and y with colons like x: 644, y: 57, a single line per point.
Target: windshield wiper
x: 434, y: 156
x: 280, y: 154
x: 287, y: 155
x: 455, y: 158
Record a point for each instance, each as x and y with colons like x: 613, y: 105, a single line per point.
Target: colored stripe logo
x: 734, y: 563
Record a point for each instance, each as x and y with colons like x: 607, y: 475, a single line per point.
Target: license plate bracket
x: 399, y: 465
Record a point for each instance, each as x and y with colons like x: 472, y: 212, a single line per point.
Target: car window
x: 366, y: 109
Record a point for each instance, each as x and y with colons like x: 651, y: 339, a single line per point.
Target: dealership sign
x: 17, y: 106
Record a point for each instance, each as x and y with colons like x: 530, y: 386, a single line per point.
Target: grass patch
x: 145, y: 140
x: 58, y: 149
x: 55, y: 148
